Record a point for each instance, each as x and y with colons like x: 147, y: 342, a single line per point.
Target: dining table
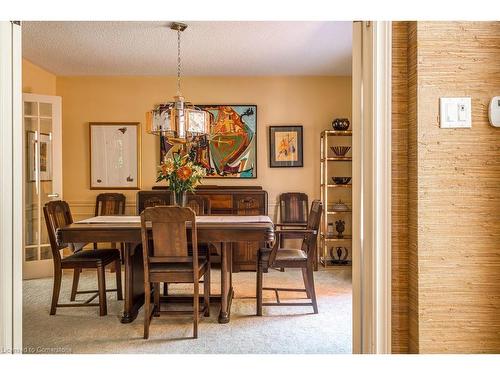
x: 223, y: 229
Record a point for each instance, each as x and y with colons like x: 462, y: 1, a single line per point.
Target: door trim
x: 372, y: 48
x: 11, y: 192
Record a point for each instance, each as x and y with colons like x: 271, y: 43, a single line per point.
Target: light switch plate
x: 455, y: 112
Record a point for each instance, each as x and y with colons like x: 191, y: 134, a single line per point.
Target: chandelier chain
x: 178, y: 61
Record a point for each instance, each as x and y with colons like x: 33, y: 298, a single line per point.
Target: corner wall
x: 37, y: 80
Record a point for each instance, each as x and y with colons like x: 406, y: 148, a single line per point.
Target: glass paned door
x: 43, y: 178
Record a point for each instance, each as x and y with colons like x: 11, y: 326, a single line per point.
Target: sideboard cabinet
x: 234, y: 200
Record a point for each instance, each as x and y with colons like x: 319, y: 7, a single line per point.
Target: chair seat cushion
x: 291, y: 255
x: 284, y: 255
x: 91, y: 258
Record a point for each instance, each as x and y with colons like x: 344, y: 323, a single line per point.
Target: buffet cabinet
x: 233, y: 200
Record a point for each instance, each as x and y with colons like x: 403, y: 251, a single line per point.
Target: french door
x: 42, y: 178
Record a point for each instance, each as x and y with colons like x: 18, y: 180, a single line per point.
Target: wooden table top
x: 229, y: 228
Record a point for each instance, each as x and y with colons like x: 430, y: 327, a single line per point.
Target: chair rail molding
x: 372, y: 48
x: 11, y: 188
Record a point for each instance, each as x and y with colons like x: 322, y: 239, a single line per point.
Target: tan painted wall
x: 37, y: 80
x: 310, y: 101
x: 453, y: 191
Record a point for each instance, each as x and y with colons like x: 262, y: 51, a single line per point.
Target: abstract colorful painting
x: 285, y: 146
x: 231, y: 150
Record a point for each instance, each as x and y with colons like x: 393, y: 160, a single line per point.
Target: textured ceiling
x: 208, y: 48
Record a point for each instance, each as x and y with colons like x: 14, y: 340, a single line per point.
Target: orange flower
x: 184, y: 173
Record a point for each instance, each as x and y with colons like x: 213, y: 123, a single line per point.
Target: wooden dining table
x: 127, y: 229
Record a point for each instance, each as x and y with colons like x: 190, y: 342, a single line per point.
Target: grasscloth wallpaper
x: 453, y: 201
x: 400, y: 188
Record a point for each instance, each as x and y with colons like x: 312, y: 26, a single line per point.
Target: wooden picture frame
x: 115, y: 155
x: 286, y: 146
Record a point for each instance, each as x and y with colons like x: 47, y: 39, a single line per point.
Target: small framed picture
x: 286, y: 146
x: 42, y: 161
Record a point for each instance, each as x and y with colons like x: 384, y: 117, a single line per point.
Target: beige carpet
x: 281, y: 330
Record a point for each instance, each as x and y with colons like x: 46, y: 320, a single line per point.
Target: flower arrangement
x: 181, y: 173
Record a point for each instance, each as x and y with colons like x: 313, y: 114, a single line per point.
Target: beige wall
x: 37, y: 80
x: 309, y: 101
x: 453, y: 200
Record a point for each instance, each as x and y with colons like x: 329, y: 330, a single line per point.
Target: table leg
x: 134, y: 282
x: 226, y: 285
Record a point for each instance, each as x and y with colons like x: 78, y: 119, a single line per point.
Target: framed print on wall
x: 45, y: 144
x: 286, y: 146
x: 115, y: 151
x: 231, y: 149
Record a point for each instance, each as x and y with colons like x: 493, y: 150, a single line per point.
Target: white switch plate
x: 455, y: 112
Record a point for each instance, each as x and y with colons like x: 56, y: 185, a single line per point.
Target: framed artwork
x: 231, y: 147
x: 115, y: 151
x: 286, y: 146
x: 45, y: 161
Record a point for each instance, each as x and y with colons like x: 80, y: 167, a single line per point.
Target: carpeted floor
x: 280, y: 330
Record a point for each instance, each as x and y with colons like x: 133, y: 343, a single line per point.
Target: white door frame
x: 11, y: 188
x: 371, y: 187
x: 371, y: 272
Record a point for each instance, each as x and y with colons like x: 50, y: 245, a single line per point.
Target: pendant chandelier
x: 178, y: 121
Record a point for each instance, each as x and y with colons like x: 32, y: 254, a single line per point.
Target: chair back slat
x: 165, y: 235
x: 57, y: 215
x: 313, y: 222
x: 169, y: 239
x: 294, y: 208
x: 109, y: 204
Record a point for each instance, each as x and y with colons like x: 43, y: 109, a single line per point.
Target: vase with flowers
x: 182, y: 174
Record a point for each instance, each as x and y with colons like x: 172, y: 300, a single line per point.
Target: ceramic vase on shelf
x: 340, y: 124
x: 340, y: 227
x: 340, y: 250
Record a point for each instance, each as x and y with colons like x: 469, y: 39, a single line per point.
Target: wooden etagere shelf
x: 338, y: 158
x: 331, y: 193
x: 340, y: 133
x: 335, y: 263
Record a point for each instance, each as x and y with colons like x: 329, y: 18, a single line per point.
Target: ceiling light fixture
x: 179, y: 121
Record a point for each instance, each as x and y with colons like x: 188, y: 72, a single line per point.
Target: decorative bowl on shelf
x: 340, y: 206
x: 340, y: 124
x: 340, y: 150
x: 341, y: 180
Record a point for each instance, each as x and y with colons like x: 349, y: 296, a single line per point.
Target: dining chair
x: 293, y: 208
x: 199, y: 204
x: 293, y: 211
x: 110, y: 204
x: 166, y: 259
x: 201, y: 207
x: 107, y: 204
x: 152, y: 198
x: 58, y: 215
x: 302, y: 258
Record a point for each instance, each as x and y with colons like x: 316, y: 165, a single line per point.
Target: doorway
x: 42, y: 178
x: 364, y: 313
